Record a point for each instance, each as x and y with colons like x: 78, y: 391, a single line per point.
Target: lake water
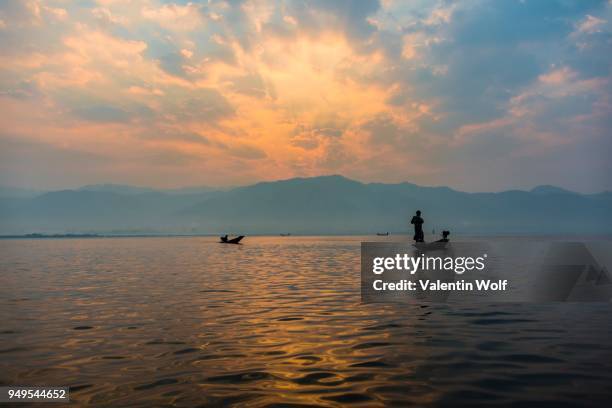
x: 274, y: 322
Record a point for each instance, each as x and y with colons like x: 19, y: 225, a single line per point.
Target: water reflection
x: 186, y: 321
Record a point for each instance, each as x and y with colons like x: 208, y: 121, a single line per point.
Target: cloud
x: 591, y: 25
x: 309, y: 137
x: 175, y: 135
x: 352, y: 15
x: 557, y: 76
x: 335, y: 156
x: 382, y: 130
x: 106, y: 18
x: 173, y: 63
x: 381, y: 90
x: 170, y: 158
x: 305, y: 142
x: 547, y: 113
x: 145, y: 90
x: 102, y: 114
x: 248, y: 152
x: 97, y: 45
x: 174, y: 16
x: 22, y: 90
x: 201, y: 104
x: 21, y: 13
x: 251, y: 84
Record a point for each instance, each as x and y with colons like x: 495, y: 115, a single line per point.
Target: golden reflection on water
x: 186, y: 321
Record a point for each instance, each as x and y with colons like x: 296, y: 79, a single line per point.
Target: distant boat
x: 285, y: 235
x: 225, y: 240
x: 382, y: 234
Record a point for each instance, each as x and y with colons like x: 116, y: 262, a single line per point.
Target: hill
x: 318, y: 205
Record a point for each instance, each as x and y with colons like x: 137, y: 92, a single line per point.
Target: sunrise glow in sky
x: 476, y: 95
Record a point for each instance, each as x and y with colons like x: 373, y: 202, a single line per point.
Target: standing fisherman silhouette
x: 418, y: 222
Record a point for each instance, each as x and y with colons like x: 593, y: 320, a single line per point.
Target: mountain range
x: 318, y: 205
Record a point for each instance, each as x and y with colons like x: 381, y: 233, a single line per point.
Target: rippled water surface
x: 275, y: 322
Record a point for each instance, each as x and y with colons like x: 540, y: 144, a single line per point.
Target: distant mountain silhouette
x: 318, y: 205
x: 546, y: 189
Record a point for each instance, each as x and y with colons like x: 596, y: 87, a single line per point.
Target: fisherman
x: 418, y: 222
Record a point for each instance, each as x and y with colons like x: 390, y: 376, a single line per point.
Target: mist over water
x: 278, y: 320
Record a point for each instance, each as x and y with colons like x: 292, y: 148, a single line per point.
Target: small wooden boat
x: 225, y: 240
x: 382, y: 234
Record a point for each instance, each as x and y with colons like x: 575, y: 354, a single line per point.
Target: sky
x: 476, y: 95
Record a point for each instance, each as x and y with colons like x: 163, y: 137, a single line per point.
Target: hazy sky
x: 477, y: 95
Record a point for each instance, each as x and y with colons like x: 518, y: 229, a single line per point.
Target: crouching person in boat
x: 445, y: 235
